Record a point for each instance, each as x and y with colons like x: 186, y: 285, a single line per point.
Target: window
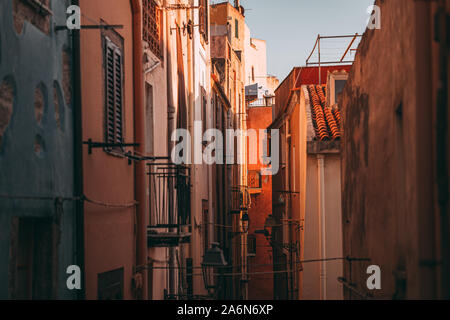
x: 149, y: 117
x: 204, y: 106
x: 268, y: 143
x: 7, y: 97
x: 110, y: 285
x: 339, y: 86
x: 32, y: 254
x: 253, y: 74
x: 254, y: 179
x: 336, y: 83
x: 152, y: 27
x: 203, y: 19
x: 36, y: 12
x: 240, y: 105
x: 236, y: 28
x: 113, y: 93
x: 251, y: 245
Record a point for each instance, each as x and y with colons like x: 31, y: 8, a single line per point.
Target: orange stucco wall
x: 109, y: 232
x: 260, y: 286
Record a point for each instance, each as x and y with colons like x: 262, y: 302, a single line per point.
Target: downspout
x: 191, y: 118
x: 78, y: 156
x: 170, y: 127
x: 243, y: 115
x: 139, y: 137
x: 322, y: 222
x: 192, y: 48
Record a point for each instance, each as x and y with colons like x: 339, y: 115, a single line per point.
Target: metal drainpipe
x: 191, y: 117
x: 244, y: 121
x: 193, y: 248
x: 78, y: 155
x: 441, y: 144
x: 322, y: 222
x: 139, y: 136
x: 170, y: 127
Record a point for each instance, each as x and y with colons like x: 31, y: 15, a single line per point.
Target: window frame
x: 331, y: 88
x: 256, y: 173
x: 118, y: 117
x: 204, y: 100
x: 204, y: 19
x: 252, y: 244
x: 152, y: 27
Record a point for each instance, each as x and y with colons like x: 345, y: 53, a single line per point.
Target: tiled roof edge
x: 310, y: 132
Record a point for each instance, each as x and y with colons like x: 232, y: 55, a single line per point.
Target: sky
x: 290, y: 28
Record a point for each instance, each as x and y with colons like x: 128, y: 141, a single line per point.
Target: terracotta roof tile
x: 326, y: 121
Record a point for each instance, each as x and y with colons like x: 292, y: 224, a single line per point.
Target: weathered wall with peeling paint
x: 36, y: 137
x: 387, y: 156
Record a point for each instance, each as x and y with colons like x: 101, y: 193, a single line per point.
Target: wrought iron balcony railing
x: 239, y: 199
x: 170, y: 207
x: 262, y: 102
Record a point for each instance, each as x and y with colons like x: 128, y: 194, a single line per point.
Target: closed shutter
x: 114, y: 94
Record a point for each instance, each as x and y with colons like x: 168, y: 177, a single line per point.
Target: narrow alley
x: 160, y: 150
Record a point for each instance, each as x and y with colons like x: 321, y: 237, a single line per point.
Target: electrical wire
x: 66, y: 199
x: 269, y: 264
x: 42, y: 198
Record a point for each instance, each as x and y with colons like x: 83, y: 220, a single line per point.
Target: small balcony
x: 267, y: 101
x: 239, y: 199
x: 170, y: 205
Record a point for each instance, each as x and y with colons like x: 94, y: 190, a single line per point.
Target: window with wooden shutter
x: 113, y: 94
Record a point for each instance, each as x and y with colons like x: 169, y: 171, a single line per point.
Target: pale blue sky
x: 290, y: 27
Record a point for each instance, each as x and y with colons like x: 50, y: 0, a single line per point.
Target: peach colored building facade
x: 260, y: 187
x: 228, y: 57
x: 109, y: 180
x: 307, y: 191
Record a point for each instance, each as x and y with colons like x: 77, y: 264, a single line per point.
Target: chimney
x: 237, y: 4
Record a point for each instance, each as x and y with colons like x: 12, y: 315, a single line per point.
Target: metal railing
x: 262, y: 102
x: 170, y: 196
x: 239, y: 199
x: 339, y: 53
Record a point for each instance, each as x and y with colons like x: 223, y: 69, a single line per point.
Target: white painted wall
x: 313, y: 230
x: 256, y: 59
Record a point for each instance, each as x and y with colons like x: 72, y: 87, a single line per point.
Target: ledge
x: 324, y: 147
x: 167, y: 240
